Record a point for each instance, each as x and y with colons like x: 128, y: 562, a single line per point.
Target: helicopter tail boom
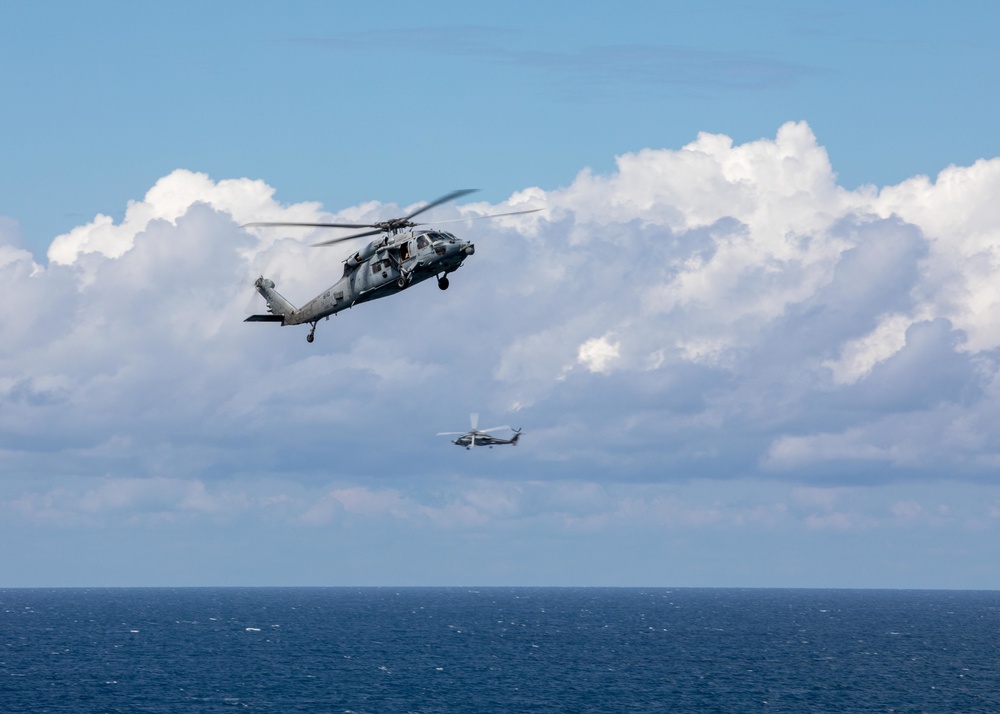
x: 277, y: 305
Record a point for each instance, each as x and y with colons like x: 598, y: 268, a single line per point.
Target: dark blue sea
x: 426, y: 650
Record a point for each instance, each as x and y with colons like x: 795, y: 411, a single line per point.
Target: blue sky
x: 349, y: 102
x: 752, y: 341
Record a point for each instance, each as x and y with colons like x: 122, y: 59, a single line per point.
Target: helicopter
x: 399, y: 258
x: 481, y: 437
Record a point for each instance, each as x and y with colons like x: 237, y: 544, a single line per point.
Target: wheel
x: 310, y: 337
x: 443, y: 283
x: 401, y: 282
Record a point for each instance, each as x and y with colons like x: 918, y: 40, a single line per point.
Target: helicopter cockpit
x: 435, y: 238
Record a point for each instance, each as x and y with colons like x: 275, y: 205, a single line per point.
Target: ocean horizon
x: 498, y: 649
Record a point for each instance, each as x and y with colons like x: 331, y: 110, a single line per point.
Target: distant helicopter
x: 481, y: 437
x: 386, y: 266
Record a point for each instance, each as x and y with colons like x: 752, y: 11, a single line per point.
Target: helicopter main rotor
x: 392, y: 225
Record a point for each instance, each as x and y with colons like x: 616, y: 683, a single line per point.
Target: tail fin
x: 517, y: 435
x: 278, y: 306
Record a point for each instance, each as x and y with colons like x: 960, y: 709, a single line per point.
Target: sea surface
x: 429, y: 650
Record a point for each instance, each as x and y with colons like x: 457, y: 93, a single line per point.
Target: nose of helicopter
x: 470, y: 249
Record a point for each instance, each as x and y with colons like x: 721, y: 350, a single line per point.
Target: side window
x: 421, y: 242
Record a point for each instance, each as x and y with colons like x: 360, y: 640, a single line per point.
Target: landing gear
x: 443, y: 282
x: 312, y: 333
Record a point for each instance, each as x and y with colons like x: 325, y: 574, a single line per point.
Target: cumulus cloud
x: 719, y: 310
x: 492, y: 507
x: 598, y: 354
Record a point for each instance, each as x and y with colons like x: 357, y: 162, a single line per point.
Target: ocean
x: 383, y: 650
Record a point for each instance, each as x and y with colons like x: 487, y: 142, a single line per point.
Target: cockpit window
x: 421, y: 242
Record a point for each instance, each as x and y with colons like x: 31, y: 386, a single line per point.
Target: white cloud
x: 794, y: 452
x: 729, y: 310
x: 461, y: 509
x: 858, y: 357
x: 907, y: 510
x: 168, y: 200
x: 838, y: 521
x: 823, y: 498
x: 598, y: 354
x: 959, y: 214
x: 137, y: 500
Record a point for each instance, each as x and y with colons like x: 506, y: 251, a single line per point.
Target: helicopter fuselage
x: 384, y: 267
x: 478, y: 438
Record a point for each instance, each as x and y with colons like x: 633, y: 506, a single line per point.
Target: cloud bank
x: 719, y: 311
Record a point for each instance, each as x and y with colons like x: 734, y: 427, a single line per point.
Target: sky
x: 752, y: 340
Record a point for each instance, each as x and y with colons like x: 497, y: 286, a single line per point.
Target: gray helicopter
x: 401, y: 257
x: 481, y: 437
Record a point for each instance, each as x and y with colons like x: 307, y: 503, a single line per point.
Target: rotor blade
x: 310, y: 225
x: 334, y: 241
x: 474, y: 420
x: 444, y: 199
x: 251, y: 302
x: 494, y: 428
x: 452, y: 433
x: 476, y: 218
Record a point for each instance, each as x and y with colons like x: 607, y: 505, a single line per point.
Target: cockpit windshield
x: 436, y: 236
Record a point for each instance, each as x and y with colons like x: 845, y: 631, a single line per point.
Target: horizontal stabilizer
x: 265, y: 318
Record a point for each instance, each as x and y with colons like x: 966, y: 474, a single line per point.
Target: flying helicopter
x: 481, y: 437
x: 399, y: 258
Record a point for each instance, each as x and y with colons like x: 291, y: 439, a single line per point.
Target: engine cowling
x: 362, y: 255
